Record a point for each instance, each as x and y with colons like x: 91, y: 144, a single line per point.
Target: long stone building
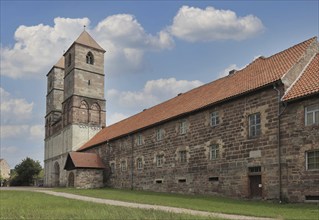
x: 251, y: 134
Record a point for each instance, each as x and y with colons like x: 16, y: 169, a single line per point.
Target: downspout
x: 132, y: 162
x: 278, y: 141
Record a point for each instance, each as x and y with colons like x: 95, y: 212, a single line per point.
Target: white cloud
x: 154, y: 92
x: 225, y: 72
x: 195, y: 24
x: 38, y: 47
x: 14, y: 109
x: 13, y: 131
x: 115, y: 117
x: 9, y: 150
x: 37, y: 132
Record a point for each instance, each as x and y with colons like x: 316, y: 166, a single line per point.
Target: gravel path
x: 136, y: 205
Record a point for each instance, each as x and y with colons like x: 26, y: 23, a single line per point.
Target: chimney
x: 232, y: 72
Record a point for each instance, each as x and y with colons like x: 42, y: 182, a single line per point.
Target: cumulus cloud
x: 195, y: 24
x: 115, y: 117
x: 14, y: 109
x: 9, y: 150
x: 154, y: 92
x: 36, y: 132
x: 38, y: 47
x: 225, y: 72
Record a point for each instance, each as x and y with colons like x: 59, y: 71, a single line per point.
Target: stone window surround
x: 182, y: 156
x: 90, y: 58
x: 183, y: 126
x: 159, y: 134
x: 123, y: 165
x: 254, y: 125
x: 315, y: 158
x: 139, y: 140
x: 113, y: 166
x: 312, y: 111
x: 140, y: 163
x: 160, y: 160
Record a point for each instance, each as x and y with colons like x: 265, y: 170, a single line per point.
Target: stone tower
x: 75, y: 104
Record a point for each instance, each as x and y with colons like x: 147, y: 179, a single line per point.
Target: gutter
x: 279, y: 113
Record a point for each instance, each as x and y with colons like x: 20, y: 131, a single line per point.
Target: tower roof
x: 86, y: 40
x: 60, y: 63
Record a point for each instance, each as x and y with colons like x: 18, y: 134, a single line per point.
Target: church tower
x: 75, y: 109
x: 83, y: 103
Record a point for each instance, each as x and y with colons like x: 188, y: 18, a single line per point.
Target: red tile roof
x: 259, y: 73
x: 307, y: 84
x: 83, y: 160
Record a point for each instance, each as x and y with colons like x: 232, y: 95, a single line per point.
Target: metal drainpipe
x: 132, y: 163
x: 278, y: 142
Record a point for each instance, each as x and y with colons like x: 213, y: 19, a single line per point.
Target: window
x: 112, y: 167
x: 159, y: 134
x: 254, y: 125
x: 182, y: 180
x: 214, y: 119
x: 183, y: 156
x: 312, y: 160
x: 89, y: 58
x: 214, y: 151
x: 182, y: 127
x: 213, y: 179
x: 139, y: 139
x: 69, y: 59
x: 159, y: 160
x: 254, y: 169
x: 123, y: 165
x: 312, y: 115
x: 139, y: 163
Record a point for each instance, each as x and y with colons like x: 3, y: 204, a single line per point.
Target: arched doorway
x: 56, y: 174
x: 71, y: 180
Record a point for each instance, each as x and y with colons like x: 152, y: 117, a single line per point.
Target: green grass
x: 206, y: 203
x: 35, y: 205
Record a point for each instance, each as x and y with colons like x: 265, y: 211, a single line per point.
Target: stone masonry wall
x: 89, y: 178
x: 296, y: 140
x: 227, y: 175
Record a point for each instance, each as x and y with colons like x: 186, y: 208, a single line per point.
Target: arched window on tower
x: 89, y: 58
x: 95, y: 114
x: 84, y: 112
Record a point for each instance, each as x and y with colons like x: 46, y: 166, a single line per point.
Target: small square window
x: 254, y: 125
x: 183, y: 156
x: 182, y: 127
x: 312, y: 115
x: 214, y: 151
x: 312, y: 160
x: 214, y: 118
x: 159, y: 160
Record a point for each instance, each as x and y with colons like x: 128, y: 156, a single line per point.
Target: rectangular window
x: 139, y: 164
x: 182, y: 127
x: 312, y: 115
x: 213, y: 179
x: 214, y: 151
x: 139, y: 139
x: 312, y: 160
x: 123, y: 165
x: 254, y: 125
x: 159, y: 134
x: 182, y: 180
x: 214, y: 118
x: 112, y: 167
x: 159, y: 160
x: 183, y: 156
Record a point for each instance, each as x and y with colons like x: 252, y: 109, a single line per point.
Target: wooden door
x: 255, y: 186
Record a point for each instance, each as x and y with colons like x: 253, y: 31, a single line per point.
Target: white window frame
x: 183, y: 156
x: 214, y: 118
x: 139, y: 140
x: 313, y: 112
x: 316, y: 159
x: 254, y: 125
x: 183, y: 127
x: 214, y: 152
x: 159, y: 160
x: 139, y: 162
x: 123, y: 165
x: 159, y: 134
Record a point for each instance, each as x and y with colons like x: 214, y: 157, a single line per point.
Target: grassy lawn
x: 33, y: 205
x: 206, y: 203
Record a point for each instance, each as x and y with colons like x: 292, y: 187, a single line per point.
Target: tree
x: 26, y: 172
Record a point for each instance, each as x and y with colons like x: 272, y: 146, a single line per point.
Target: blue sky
x: 155, y: 50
